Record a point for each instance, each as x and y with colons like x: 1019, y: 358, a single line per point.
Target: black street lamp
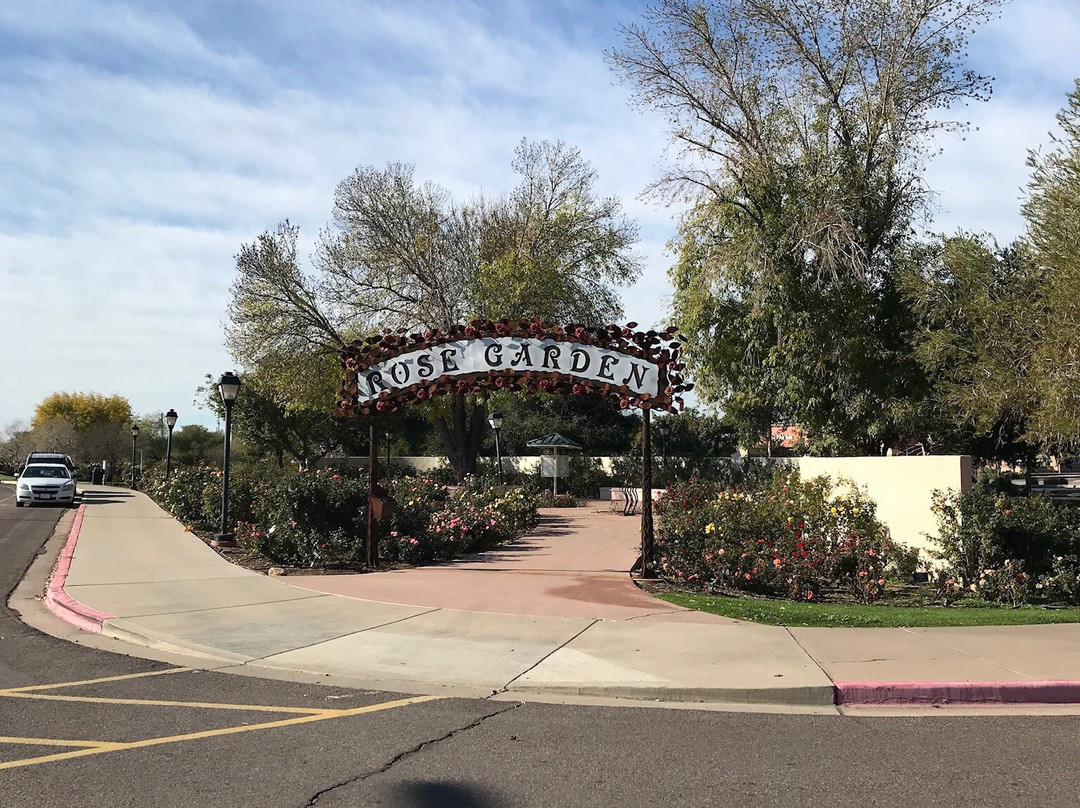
x: 134, y: 439
x: 664, y: 428
x: 389, y: 437
x: 170, y: 422
x: 496, y: 421
x: 228, y: 388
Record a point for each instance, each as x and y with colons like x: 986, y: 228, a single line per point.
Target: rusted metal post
x: 647, y: 570
x: 371, y: 541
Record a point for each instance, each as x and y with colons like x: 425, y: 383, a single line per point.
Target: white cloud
x: 140, y: 145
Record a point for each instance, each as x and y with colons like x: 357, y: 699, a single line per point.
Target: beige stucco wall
x: 902, y: 487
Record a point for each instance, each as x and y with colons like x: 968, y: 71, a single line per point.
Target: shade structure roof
x: 552, y: 441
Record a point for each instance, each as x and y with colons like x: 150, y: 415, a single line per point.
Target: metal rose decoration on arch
x: 640, y: 369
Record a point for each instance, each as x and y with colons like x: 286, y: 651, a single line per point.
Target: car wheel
x: 19, y: 504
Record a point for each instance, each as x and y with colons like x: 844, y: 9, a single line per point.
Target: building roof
x: 552, y: 441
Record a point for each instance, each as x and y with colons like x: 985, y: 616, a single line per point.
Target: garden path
x: 574, y: 564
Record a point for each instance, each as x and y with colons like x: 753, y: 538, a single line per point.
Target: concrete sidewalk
x: 550, y: 616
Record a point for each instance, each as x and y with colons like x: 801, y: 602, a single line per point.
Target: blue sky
x: 142, y: 143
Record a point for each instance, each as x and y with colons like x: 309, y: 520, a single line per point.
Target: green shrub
x: 550, y: 500
x: 187, y: 493
x: 786, y: 537
x: 1008, y: 549
x: 587, y: 477
x: 307, y: 519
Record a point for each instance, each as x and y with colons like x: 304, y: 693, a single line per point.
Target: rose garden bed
x: 317, y: 520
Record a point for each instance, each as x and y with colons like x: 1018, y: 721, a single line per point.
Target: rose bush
x: 783, y: 536
x: 1007, y: 549
x: 431, y: 523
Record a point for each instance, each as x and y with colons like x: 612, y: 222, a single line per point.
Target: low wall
x: 902, y: 487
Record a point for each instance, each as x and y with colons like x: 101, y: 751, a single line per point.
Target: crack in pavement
x: 400, y: 756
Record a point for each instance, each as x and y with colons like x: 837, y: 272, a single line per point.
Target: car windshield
x: 59, y: 472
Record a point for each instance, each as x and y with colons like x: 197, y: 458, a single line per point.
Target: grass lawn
x: 6, y: 477
x: 790, y: 613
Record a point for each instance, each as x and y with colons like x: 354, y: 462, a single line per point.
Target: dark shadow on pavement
x: 427, y: 794
x: 103, y: 497
x: 551, y: 526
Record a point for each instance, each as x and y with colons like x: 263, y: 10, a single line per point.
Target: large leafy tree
x: 270, y: 428
x: 403, y: 254
x: 1052, y: 210
x: 83, y: 410
x: 802, y: 128
x: 981, y: 312
x: 88, y: 426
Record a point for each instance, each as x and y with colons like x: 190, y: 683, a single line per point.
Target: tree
x: 272, y: 429
x: 15, y: 445
x: 404, y: 255
x: 1052, y: 210
x: 194, y: 443
x: 802, y: 128
x: 598, y: 426
x: 981, y: 312
x: 83, y: 410
x: 698, y: 434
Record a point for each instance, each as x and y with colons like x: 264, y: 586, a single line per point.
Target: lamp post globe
x: 170, y: 421
x: 134, y: 441
x: 228, y: 388
x: 495, y: 419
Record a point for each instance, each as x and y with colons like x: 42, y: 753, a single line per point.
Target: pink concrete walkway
x: 575, y: 564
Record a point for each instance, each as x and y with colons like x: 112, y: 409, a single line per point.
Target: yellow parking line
x: 59, y: 742
x: 203, y: 705
x: 212, y: 733
x: 55, y: 686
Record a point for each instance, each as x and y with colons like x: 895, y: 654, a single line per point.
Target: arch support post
x: 371, y: 541
x: 647, y: 566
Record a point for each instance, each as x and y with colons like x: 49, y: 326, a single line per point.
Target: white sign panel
x: 520, y: 354
x: 549, y: 469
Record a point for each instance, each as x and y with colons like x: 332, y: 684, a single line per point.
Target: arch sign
x: 639, y: 369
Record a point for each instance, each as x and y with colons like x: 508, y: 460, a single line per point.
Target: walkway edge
x: 989, y: 693
x: 58, y: 601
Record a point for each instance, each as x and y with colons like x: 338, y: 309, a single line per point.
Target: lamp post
x: 496, y: 421
x: 664, y: 428
x: 170, y: 422
x: 389, y: 437
x: 134, y: 440
x: 228, y: 388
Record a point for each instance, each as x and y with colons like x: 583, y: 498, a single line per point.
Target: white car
x: 45, y: 482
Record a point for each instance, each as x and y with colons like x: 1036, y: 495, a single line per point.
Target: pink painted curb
x: 912, y: 693
x: 58, y: 600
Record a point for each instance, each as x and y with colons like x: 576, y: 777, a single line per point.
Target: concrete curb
x: 776, y: 696
x: 58, y: 601
x: 988, y: 693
